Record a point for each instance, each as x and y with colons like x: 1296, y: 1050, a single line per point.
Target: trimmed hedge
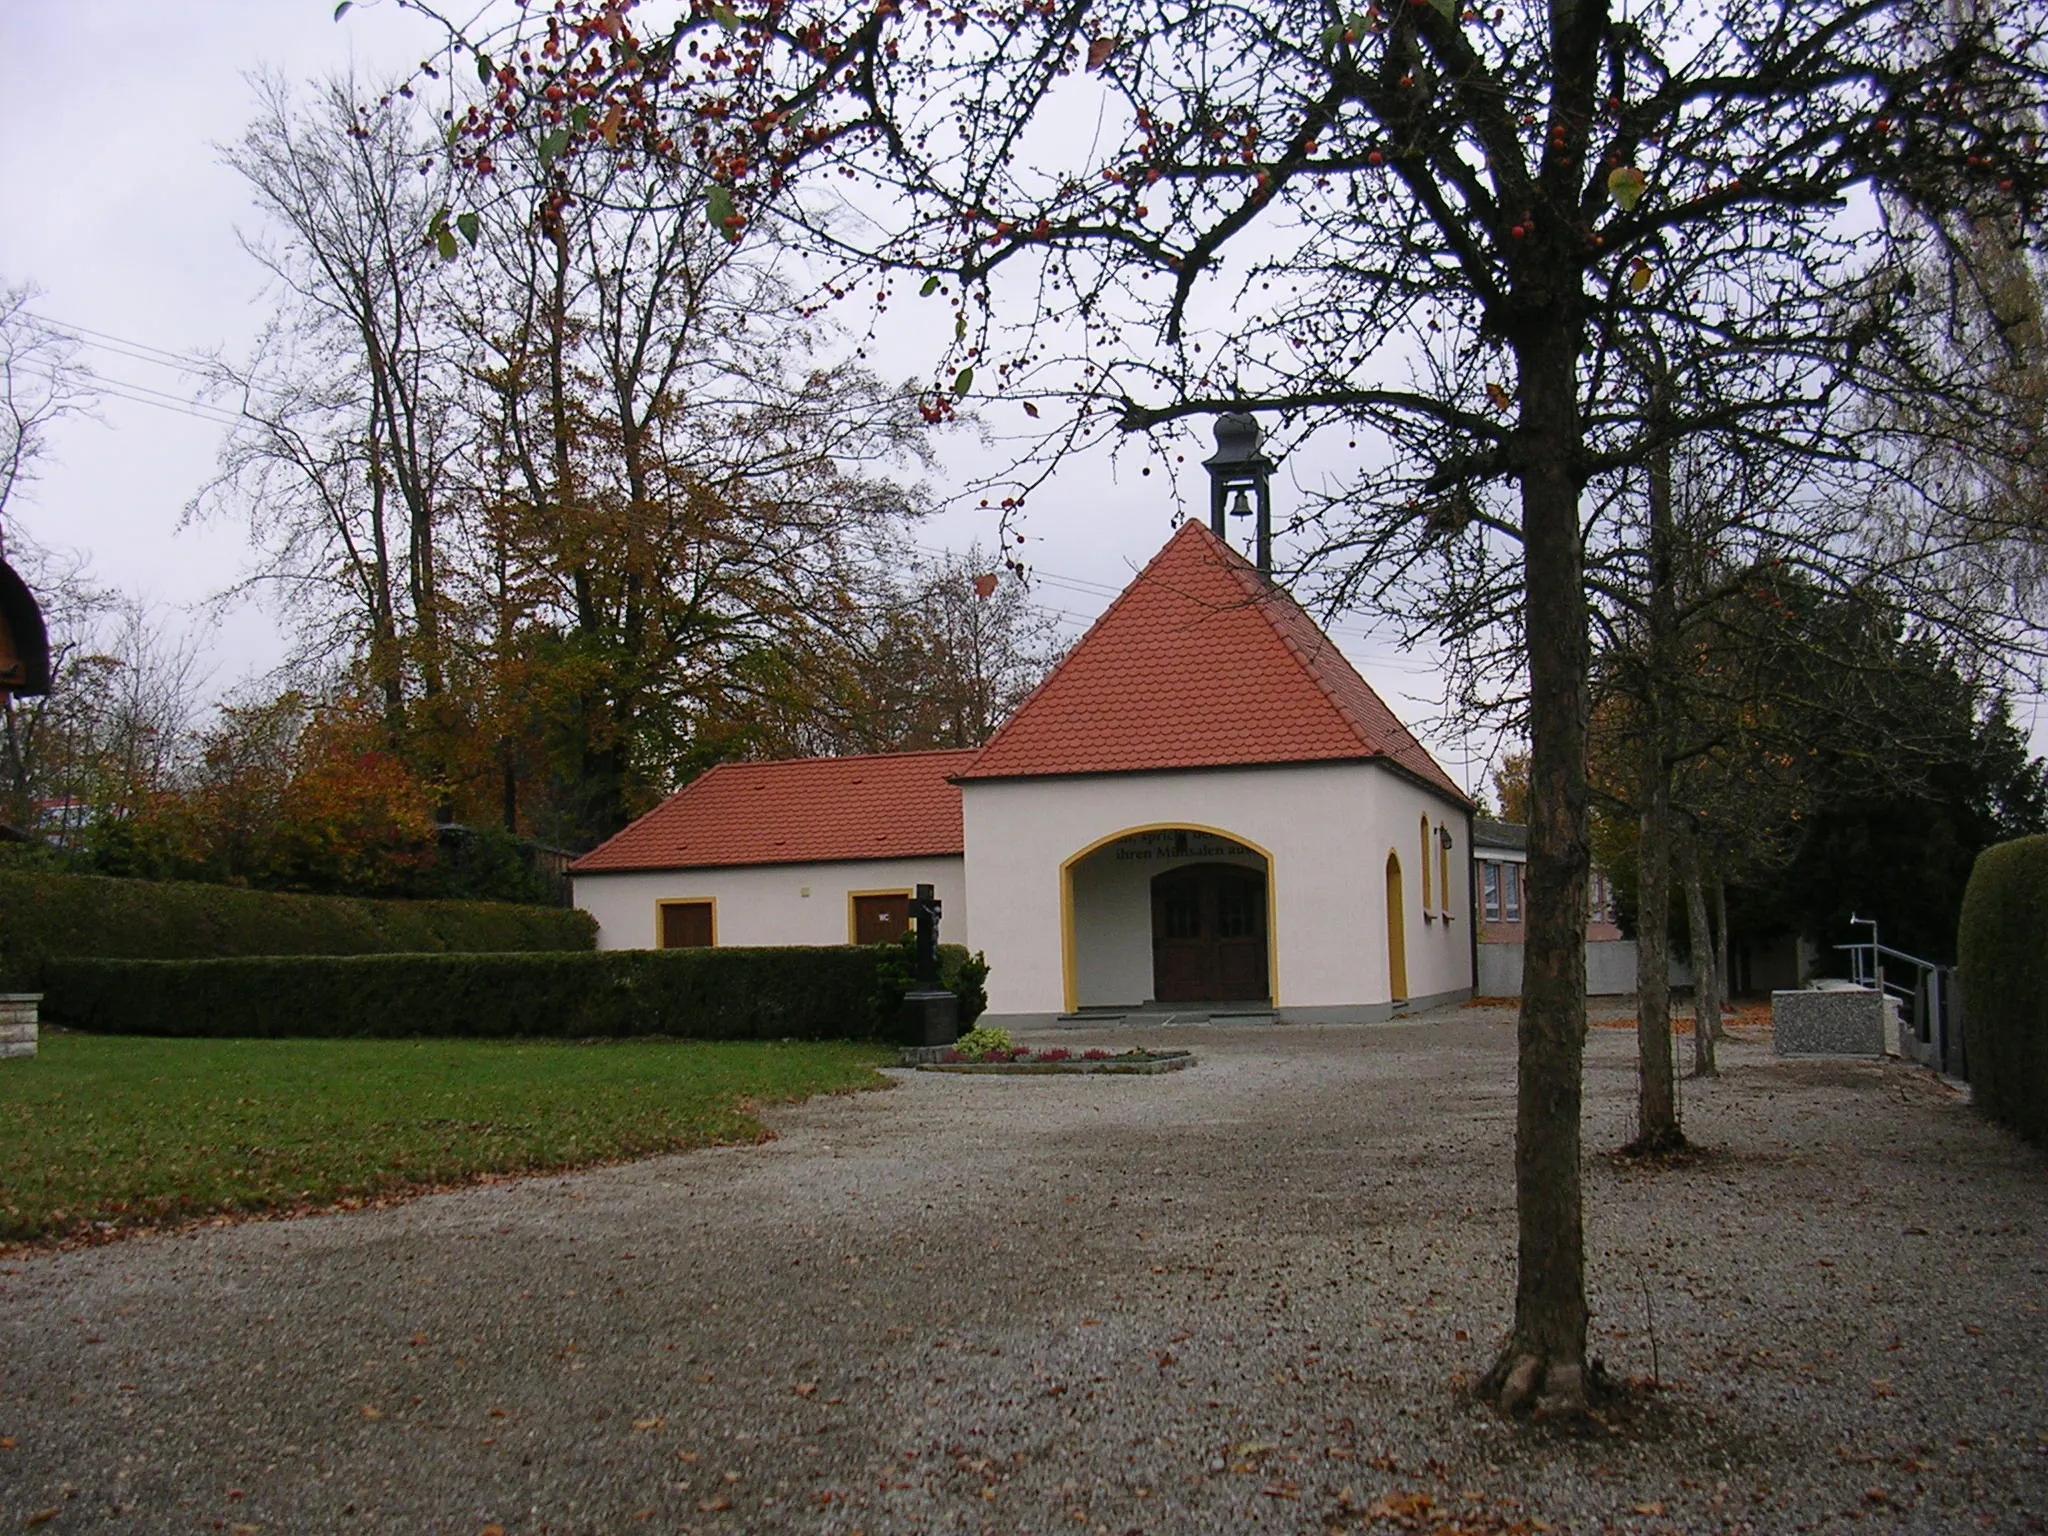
x: 699, y: 994
x: 47, y: 917
x: 2002, y: 953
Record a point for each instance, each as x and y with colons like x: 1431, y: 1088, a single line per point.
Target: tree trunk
x: 1706, y: 983
x: 1657, y: 1128
x: 1545, y: 1358
x: 1724, y: 985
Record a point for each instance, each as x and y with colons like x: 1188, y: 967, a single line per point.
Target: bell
x: 1242, y: 507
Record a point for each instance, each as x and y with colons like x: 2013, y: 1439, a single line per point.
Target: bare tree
x: 1430, y: 224
x: 116, y: 725
x: 41, y: 382
x: 341, y: 463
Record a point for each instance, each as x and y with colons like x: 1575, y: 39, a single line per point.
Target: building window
x: 1443, y: 870
x: 1511, y: 883
x: 1601, y: 891
x: 1489, y: 890
x: 1426, y: 903
x: 686, y: 925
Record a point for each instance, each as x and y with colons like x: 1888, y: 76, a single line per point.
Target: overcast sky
x: 117, y: 206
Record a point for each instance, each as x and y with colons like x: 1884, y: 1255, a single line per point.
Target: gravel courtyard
x: 1245, y: 1297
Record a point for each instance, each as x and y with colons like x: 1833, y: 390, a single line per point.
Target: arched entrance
x: 1397, y: 933
x: 1209, y: 934
x: 1167, y: 915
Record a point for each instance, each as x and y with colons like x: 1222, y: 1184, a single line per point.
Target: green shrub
x: 964, y: 975
x: 978, y: 1043
x: 697, y: 994
x: 2002, y: 951
x: 46, y: 917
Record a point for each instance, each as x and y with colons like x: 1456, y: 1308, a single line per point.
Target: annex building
x: 1204, y: 808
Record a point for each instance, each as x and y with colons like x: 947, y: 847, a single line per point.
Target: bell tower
x: 1240, y: 478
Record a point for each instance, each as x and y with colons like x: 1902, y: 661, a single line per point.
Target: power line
x: 142, y: 394
x: 188, y: 360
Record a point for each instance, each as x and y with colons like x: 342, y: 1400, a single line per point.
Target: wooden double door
x: 1209, y: 935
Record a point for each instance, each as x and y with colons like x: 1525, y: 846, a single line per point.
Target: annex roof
x: 1506, y: 836
x: 1202, y: 663
x: 809, y: 810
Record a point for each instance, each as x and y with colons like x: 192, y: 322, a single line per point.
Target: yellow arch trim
x: 1397, y: 930
x: 1069, y: 992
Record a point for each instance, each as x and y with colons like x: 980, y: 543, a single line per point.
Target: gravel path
x: 1244, y: 1297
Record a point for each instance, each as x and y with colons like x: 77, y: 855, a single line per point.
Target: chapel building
x: 1203, y: 810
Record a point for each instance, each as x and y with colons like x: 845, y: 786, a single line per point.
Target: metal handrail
x: 1929, y: 997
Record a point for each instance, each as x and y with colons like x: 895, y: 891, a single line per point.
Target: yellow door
x: 1397, y: 939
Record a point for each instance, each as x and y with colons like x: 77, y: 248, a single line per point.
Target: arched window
x: 1425, y: 867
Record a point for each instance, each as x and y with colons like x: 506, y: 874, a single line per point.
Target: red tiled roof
x: 811, y: 810
x: 1201, y: 663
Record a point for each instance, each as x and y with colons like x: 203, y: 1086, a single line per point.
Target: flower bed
x: 1053, y: 1061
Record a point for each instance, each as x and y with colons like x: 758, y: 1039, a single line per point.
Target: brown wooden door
x: 686, y: 925
x: 1209, y: 935
x: 880, y: 919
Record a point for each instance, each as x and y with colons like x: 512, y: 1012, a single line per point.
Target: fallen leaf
x: 372, y: 1413
x: 1879, y: 1387
x: 40, y: 1517
x: 805, y: 1389
x: 6, y: 1442
x: 1647, y: 1509
x: 713, y: 1506
x: 646, y: 1424
x: 1401, y: 1506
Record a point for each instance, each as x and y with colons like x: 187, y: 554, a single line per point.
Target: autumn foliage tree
x: 287, y: 794
x: 1434, y: 227
x: 564, y: 508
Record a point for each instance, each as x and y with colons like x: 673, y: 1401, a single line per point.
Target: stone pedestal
x: 18, y: 1023
x: 930, y: 1018
x: 1840, y: 1021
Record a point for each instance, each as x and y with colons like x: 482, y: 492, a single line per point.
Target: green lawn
x: 130, y: 1131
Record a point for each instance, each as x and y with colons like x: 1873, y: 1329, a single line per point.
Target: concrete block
x: 18, y: 1023
x: 1847, y: 1021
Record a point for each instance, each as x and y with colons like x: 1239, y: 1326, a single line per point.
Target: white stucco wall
x: 1327, y: 827
x: 767, y: 904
